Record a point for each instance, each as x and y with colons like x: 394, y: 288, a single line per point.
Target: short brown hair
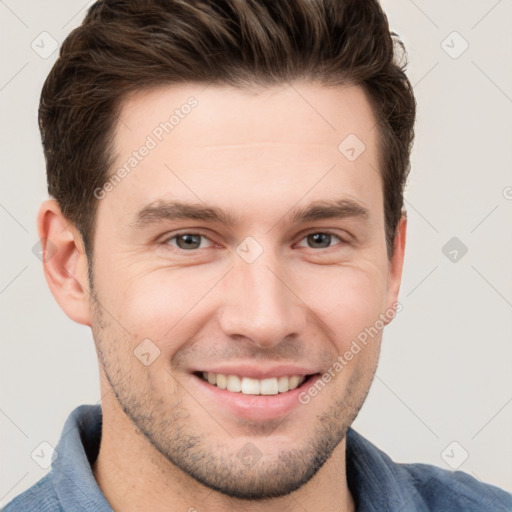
x: 128, y: 45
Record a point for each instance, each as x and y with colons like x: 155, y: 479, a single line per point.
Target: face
x: 235, y: 260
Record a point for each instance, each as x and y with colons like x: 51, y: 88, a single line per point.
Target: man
x: 226, y: 185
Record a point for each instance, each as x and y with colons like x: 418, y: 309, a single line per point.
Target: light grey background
x: 445, y: 372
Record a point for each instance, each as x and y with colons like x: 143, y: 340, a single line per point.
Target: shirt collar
x: 375, y: 481
x: 76, y: 451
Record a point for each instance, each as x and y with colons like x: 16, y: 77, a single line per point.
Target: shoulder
x: 376, y: 479
x: 441, y: 489
x: 41, y: 497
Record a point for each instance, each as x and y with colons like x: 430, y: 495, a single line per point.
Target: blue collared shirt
x: 376, y: 482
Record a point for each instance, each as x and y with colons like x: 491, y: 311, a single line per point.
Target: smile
x: 251, y: 386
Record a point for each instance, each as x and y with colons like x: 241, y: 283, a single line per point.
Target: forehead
x: 274, y: 144
x: 295, y: 112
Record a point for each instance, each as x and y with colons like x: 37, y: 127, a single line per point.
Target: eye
x: 187, y: 241
x: 193, y: 241
x: 321, y: 239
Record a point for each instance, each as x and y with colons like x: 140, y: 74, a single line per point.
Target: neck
x: 134, y: 476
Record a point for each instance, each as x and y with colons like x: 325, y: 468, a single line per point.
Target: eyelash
x: 323, y: 232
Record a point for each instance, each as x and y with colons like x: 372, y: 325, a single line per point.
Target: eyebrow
x: 158, y: 211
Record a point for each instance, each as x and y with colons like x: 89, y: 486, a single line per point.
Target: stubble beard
x: 172, y: 431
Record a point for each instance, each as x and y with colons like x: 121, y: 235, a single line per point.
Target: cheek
x: 157, y: 304
x: 347, y: 298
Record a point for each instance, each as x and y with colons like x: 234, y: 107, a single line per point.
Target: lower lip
x: 254, y: 407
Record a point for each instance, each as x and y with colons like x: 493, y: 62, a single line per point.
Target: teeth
x: 294, y: 381
x: 222, y: 381
x: 249, y: 386
x: 234, y: 384
x: 283, y: 384
x: 269, y: 387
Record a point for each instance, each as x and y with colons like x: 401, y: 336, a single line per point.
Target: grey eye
x: 186, y: 241
x: 322, y: 240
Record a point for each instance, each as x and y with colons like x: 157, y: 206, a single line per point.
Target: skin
x: 259, y: 154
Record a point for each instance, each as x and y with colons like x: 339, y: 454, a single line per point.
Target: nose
x: 259, y: 302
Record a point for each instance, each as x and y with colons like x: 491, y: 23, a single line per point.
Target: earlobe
x: 396, y: 263
x: 64, y: 262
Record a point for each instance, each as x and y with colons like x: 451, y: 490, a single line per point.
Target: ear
x: 64, y: 262
x: 396, y: 264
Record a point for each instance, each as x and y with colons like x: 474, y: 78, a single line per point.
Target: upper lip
x: 256, y: 372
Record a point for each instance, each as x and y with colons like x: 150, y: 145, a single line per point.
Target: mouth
x: 255, y: 394
x: 252, y: 386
